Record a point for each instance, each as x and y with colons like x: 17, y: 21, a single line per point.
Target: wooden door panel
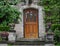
x: 31, y: 23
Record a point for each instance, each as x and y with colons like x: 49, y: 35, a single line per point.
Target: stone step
x: 26, y: 39
x: 23, y: 42
x: 26, y: 42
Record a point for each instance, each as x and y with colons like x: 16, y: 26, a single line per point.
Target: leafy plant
x: 8, y: 14
x: 52, y: 15
x: 0, y: 39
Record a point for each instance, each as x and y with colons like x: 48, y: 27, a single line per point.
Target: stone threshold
x: 32, y: 39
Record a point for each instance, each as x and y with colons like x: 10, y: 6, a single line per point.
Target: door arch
x: 30, y: 18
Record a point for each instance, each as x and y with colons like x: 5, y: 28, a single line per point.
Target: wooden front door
x: 31, y: 23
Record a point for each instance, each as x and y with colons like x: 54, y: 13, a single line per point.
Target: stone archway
x: 20, y: 27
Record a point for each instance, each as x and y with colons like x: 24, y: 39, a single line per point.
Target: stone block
x: 3, y: 45
x: 49, y: 45
x: 12, y: 37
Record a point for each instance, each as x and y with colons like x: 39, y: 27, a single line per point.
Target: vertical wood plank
x: 31, y: 27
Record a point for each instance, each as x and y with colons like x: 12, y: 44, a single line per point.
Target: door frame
x: 23, y: 21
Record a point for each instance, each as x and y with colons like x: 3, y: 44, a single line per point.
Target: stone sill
x: 25, y: 39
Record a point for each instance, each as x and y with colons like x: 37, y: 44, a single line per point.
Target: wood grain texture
x: 31, y: 27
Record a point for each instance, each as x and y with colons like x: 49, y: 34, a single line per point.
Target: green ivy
x: 8, y: 13
x: 52, y: 15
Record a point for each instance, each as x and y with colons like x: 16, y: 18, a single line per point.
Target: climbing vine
x: 8, y: 13
x: 52, y: 17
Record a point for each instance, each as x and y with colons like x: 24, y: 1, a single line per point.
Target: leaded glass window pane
x: 30, y: 17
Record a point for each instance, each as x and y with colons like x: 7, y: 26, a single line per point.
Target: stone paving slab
x: 3, y: 44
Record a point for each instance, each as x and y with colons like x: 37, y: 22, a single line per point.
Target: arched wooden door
x: 30, y: 23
